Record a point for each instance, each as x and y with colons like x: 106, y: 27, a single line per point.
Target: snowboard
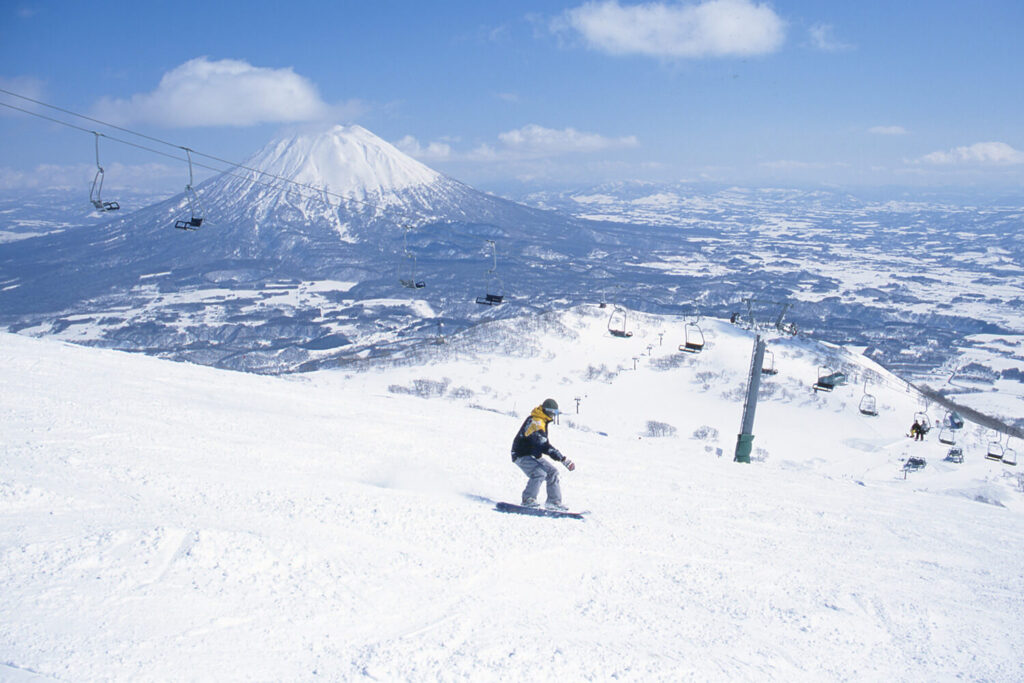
x: 536, y: 512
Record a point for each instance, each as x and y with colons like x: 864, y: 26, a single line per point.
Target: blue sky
x: 786, y: 93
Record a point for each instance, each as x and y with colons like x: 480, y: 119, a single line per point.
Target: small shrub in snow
x: 424, y: 388
x: 706, y: 433
x: 462, y: 392
x: 706, y: 378
x: 659, y: 429
x: 670, y: 362
x: 428, y: 388
x: 737, y: 394
x: 602, y: 374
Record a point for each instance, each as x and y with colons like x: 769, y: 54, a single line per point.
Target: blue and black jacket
x: 532, y: 438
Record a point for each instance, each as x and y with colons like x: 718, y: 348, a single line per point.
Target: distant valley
x: 278, y: 281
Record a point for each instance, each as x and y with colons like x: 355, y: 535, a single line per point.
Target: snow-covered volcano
x: 344, y: 179
x: 312, y: 207
x: 349, y: 161
x: 327, y: 204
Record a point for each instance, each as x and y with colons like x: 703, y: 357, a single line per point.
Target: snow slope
x: 164, y: 521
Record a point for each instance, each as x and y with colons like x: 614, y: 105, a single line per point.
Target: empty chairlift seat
x: 195, y: 219
x: 493, y: 282
x: 868, y: 405
x: 617, y: 323
x: 829, y: 380
x: 995, y: 451
x: 1009, y: 454
x: 693, y: 338
x: 95, y: 194
x: 490, y: 299
x: 411, y: 282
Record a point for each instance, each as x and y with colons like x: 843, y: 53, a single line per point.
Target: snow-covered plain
x: 165, y: 521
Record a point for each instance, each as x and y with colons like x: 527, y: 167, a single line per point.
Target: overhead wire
x: 321, y: 191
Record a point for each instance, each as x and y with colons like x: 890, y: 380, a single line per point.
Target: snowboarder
x: 530, y: 444
x: 916, y: 431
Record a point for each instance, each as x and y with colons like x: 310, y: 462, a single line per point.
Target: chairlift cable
x: 232, y: 164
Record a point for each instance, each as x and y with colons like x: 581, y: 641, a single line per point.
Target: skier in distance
x: 529, y: 447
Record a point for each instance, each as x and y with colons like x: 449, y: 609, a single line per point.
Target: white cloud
x: 117, y: 176
x: 714, y: 28
x: 536, y: 141
x: 888, y: 130
x: 529, y: 142
x: 823, y: 39
x: 981, y: 153
x: 227, y: 92
x: 791, y: 165
x: 434, y: 151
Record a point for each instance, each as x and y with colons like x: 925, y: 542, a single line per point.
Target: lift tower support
x: 745, y: 442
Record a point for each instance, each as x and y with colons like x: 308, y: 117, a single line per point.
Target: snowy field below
x: 164, y: 521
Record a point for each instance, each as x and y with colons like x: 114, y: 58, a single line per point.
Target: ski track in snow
x: 162, y: 521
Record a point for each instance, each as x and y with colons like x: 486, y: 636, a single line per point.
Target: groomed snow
x: 163, y: 521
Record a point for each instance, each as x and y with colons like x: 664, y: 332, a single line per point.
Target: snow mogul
x: 529, y: 447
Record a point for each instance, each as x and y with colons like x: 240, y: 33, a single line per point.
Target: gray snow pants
x: 539, y: 470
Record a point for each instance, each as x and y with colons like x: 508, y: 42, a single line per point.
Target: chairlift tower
x: 745, y: 441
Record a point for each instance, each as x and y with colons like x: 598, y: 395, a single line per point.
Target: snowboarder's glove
x: 569, y: 464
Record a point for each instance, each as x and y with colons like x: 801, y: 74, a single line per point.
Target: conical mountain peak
x: 345, y: 160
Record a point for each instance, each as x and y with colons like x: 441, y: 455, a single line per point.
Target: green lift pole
x: 745, y: 442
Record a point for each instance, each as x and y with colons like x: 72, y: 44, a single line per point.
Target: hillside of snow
x: 167, y: 521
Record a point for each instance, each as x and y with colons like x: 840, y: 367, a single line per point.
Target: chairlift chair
x: 490, y: 299
x: 617, y: 323
x: 921, y: 418
x: 96, y: 192
x: 829, y: 379
x: 955, y: 454
x: 953, y: 420
x: 768, y: 364
x: 996, y: 450
x: 411, y: 282
x: 1009, y: 454
x: 868, y: 405
x: 493, y: 283
x: 947, y: 436
x: 195, y: 219
x: 693, y: 338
